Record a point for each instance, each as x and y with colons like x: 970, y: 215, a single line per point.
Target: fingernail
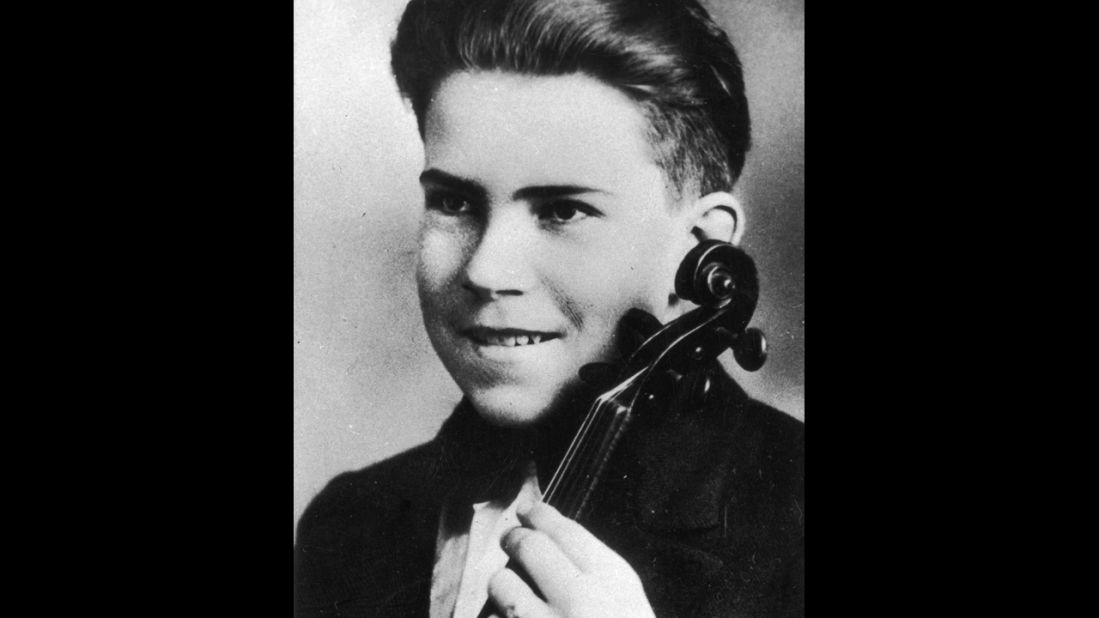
x: 523, y: 510
x: 513, y: 536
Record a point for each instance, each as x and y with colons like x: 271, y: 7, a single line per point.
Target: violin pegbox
x: 718, y: 275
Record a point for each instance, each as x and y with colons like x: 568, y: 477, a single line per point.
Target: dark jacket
x: 706, y: 504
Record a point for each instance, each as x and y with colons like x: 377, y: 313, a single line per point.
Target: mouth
x: 508, y: 337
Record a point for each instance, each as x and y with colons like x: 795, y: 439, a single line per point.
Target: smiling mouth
x: 508, y: 337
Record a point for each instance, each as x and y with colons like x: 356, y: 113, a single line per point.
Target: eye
x: 565, y: 211
x: 448, y: 203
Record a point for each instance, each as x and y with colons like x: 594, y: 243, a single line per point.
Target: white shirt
x: 466, y: 561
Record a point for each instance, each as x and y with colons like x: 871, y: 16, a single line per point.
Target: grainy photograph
x: 549, y: 308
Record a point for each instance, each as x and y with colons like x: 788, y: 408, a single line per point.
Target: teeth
x: 513, y: 340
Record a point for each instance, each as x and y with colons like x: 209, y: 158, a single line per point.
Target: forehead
x: 536, y: 128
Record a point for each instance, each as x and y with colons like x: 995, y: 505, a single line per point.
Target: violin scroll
x: 716, y: 274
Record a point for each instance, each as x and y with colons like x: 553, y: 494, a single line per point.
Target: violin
x: 722, y: 280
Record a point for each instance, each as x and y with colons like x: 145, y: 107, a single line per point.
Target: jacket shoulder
x: 372, y: 492
x: 763, y: 517
x: 766, y: 467
x: 775, y: 439
x: 365, y: 543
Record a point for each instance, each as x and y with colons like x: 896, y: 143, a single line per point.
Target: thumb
x: 599, y: 374
x: 634, y: 328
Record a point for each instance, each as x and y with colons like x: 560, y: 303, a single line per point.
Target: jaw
x: 515, y: 387
x: 512, y: 405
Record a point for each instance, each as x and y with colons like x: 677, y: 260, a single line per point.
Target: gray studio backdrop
x: 366, y: 382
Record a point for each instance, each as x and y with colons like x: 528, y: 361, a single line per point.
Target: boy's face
x: 546, y: 219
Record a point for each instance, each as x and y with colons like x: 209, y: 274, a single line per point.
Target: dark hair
x: 667, y: 55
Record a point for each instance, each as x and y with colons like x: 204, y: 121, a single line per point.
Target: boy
x: 575, y: 151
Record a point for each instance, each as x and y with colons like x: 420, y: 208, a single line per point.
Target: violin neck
x: 579, y: 471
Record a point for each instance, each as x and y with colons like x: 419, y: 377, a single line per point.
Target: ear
x: 718, y: 216
x: 715, y: 216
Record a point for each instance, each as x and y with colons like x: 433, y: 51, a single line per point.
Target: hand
x: 578, y: 575
x: 634, y: 328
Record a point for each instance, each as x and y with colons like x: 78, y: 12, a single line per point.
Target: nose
x: 500, y: 264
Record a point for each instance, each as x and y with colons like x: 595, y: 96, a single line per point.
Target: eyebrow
x: 468, y: 187
x: 476, y: 191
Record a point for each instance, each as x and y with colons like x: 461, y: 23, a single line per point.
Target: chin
x: 511, y: 407
x: 506, y: 412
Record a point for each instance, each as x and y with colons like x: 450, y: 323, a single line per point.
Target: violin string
x: 578, y: 443
x: 580, y: 462
x: 584, y: 460
x: 567, y: 470
x: 581, y: 440
x: 583, y: 465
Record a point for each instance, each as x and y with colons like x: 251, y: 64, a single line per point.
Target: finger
x: 639, y: 325
x: 514, y: 598
x: 548, y: 567
x: 642, y: 322
x: 598, y: 374
x: 581, y: 547
x: 634, y: 328
x: 629, y: 340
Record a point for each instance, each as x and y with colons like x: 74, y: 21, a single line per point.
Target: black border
x: 184, y: 204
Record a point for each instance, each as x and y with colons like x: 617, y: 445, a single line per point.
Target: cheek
x: 601, y: 286
x: 438, y: 263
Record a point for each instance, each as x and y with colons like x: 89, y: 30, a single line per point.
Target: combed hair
x: 667, y: 55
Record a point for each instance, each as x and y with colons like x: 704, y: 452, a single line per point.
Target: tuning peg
x: 750, y: 349
x: 700, y: 389
x: 727, y: 337
x: 665, y: 383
